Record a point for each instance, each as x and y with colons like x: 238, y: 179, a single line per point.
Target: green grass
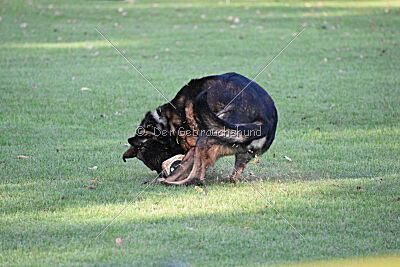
x: 339, y: 123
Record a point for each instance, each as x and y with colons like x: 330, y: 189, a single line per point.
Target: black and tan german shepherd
x: 209, y: 118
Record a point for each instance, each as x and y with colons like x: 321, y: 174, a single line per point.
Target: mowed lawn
x: 68, y: 102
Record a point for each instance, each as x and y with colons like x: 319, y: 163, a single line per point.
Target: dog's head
x: 152, y: 144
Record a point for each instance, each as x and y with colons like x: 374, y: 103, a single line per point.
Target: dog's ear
x: 131, y: 141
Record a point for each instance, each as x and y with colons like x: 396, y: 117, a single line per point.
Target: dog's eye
x: 140, y: 147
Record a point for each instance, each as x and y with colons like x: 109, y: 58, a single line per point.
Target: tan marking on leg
x: 240, y: 162
x: 206, y: 153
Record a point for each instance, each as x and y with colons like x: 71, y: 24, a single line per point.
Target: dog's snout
x: 130, y: 153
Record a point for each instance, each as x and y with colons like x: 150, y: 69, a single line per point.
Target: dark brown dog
x: 206, y: 125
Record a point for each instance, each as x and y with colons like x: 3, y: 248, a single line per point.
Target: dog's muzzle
x: 130, y: 153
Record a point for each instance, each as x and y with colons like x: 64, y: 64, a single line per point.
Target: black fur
x: 202, y: 105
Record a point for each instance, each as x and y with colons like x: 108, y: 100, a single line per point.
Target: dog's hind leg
x: 240, y: 162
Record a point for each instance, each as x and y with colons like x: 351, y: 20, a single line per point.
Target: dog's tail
x: 226, y: 131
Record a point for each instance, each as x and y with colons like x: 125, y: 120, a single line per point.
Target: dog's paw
x: 155, y: 181
x: 160, y: 180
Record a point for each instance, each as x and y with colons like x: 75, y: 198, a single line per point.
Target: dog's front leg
x: 183, y: 170
x: 197, y: 160
x: 206, y: 152
x: 195, y: 170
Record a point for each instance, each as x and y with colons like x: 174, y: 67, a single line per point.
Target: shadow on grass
x: 229, y: 224
x: 236, y: 237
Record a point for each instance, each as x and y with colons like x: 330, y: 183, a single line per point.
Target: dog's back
x: 232, y: 101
